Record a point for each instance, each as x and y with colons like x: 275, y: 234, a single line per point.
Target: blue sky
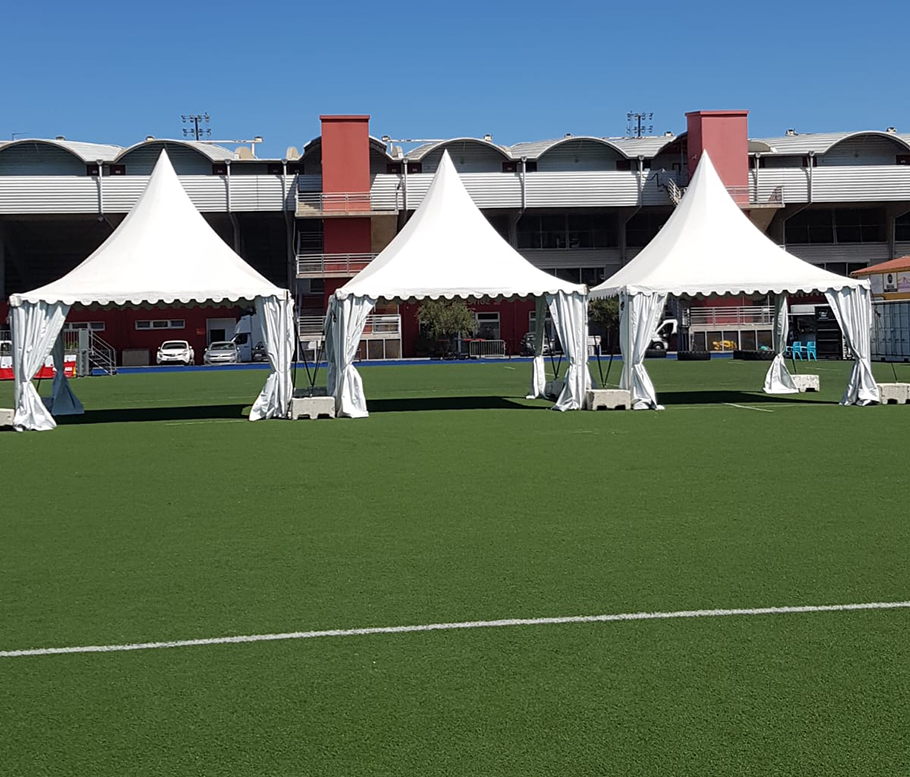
x: 116, y: 72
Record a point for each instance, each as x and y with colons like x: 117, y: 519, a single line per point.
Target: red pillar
x: 725, y: 136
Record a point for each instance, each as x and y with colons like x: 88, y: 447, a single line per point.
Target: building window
x: 510, y: 167
x: 161, y: 323
x: 74, y: 326
x: 810, y: 226
x: 274, y: 169
x: 415, y: 168
x: 219, y: 169
x: 531, y: 166
x: 642, y: 228
x: 624, y: 164
x: 487, y: 325
x: 903, y: 159
x: 860, y: 225
x: 117, y: 169
x: 92, y: 170
x: 393, y: 168
x: 902, y: 227
x: 567, y: 232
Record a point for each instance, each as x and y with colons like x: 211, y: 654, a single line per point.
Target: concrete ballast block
x: 807, y: 382
x: 312, y: 407
x: 6, y: 417
x: 608, y: 399
x: 553, y: 388
x: 895, y: 393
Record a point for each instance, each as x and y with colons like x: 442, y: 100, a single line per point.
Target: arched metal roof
x: 416, y: 154
x: 212, y: 152
x: 822, y: 142
x: 85, y: 152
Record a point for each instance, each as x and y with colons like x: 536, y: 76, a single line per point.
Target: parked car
x: 222, y: 352
x: 175, y: 352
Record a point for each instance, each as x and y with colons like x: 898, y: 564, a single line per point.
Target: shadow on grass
x: 141, y: 414
x: 718, y: 396
x: 447, y: 403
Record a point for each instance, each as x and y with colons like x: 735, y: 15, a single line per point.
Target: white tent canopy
x: 164, y: 252
x: 709, y: 246
x: 449, y: 249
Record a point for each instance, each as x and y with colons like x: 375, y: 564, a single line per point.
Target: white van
x: 249, y: 340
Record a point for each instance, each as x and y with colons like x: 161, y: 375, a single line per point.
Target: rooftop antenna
x: 196, y: 129
x: 638, y: 124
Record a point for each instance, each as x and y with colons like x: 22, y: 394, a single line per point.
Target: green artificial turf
x: 161, y: 514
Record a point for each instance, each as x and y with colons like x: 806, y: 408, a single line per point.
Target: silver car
x: 175, y: 352
x: 222, y: 352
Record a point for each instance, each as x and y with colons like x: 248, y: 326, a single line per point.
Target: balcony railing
x: 331, y: 265
x: 379, y: 326
x: 708, y: 318
x: 341, y: 203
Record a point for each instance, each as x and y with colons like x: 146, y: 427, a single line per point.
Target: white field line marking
x: 748, y: 407
x: 629, y: 616
x: 208, y: 421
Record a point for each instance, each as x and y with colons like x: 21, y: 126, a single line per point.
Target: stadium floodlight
x: 638, y: 123
x: 194, y: 130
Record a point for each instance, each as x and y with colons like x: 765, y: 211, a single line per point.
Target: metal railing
x: 674, y: 191
x: 485, y: 349
x: 101, y: 355
x: 379, y: 326
x: 331, y: 265
x: 328, y: 203
x: 740, y: 194
x: 756, y: 315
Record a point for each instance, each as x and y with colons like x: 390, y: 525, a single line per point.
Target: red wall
x: 725, y: 136
x: 348, y: 235
x: 345, y: 153
x: 120, y: 326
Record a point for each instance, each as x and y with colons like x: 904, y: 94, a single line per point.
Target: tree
x: 604, y: 312
x: 445, y: 319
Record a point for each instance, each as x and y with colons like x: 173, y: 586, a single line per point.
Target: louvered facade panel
x: 487, y: 190
x: 870, y: 253
x: 48, y: 194
x: 385, y: 192
x: 901, y: 248
x: 252, y: 193
x: 861, y: 184
x: 654, y: 190
x: 208, y: 192
x: 795, y: 183
x: 582, y: 190
x: 309, y: 183
x: 39, y: 159
x: 122, y: 192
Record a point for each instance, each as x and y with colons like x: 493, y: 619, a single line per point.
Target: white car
x: 222, y: 352
x: 176, y: 352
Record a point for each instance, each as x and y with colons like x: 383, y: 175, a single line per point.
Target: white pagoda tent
x: 709, y: 246
x: 449, y: 249
x: 163, y: 253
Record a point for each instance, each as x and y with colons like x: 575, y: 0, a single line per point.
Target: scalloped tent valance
x: 163, y: 251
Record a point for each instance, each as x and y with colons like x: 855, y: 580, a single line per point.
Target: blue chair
x: 798, y: 350
x: 811, y: 351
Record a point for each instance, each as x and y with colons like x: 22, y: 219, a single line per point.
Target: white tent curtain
x: 638, y: 317
x: 62, y: 400
x: 569, y: 312
x: 347, y: 319
x: 778, y: 380
x: 853, y: 310
x: 277, y: 317
x: 35, y: 326
x: 538, y: 369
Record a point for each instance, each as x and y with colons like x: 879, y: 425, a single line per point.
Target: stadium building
x: 577, y: 206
